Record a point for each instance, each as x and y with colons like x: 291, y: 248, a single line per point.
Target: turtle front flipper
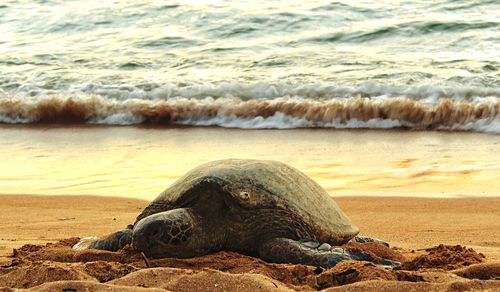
x: 284, y: 250
x: 112, y: 242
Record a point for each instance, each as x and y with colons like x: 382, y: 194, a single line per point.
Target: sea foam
x: 478, y: 114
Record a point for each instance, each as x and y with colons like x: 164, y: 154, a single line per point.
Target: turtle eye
x: 245, y: 196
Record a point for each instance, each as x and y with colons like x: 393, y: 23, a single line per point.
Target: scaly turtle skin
x: 260, y: 208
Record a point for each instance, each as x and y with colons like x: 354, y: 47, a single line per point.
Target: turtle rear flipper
x: 284, y: 250
x: 366, y: 239
x: 112, y: 242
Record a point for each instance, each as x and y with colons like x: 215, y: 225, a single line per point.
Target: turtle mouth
x: 149, y: 241
x: 158, y: 248
x: 163, y: 234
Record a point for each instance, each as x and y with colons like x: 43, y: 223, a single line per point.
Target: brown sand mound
x: 107, y: 271
x: 480, y: 271
x: 33, y: 274
x: 62, y: 252
x: 205, y: 280
x: 435, y: 276
x: 351, y: 272
x: 445, y: 257
x: 392, y: 286
x: 88, y: 286
x: 33, y: 265
x: 238, y: 264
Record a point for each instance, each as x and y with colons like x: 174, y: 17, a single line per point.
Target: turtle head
x: 171, y: 233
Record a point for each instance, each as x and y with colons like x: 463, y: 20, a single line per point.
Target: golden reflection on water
x: 141, y: 162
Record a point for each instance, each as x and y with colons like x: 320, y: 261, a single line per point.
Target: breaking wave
x: 480, y: 114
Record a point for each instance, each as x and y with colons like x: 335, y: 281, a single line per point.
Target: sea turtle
x: 260, y: 208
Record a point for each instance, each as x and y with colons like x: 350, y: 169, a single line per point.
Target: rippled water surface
x: 94, y: 45
x: 58, y: 54
x: 422, y: 65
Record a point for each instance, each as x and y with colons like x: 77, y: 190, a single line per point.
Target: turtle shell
x: 262, y: 184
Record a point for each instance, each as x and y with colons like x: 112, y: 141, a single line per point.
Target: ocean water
x: 427, y: 65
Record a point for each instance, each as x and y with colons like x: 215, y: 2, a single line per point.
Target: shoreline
x: 159, y: 126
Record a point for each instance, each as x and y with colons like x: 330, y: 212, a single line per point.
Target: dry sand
x: 411, y: 225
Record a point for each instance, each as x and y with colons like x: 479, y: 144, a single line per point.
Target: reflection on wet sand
x: 141, y: 162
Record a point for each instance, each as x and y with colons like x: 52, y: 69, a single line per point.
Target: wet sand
x: 140, y: 162
x: 409, y: 224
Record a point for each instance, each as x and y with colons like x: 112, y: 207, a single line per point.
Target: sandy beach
x: 393, y: 110
x: 426, y: 193
x: 410, y: 225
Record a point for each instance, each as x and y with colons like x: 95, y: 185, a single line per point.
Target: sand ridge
x: 435, y: 249
x: 57, y: 265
